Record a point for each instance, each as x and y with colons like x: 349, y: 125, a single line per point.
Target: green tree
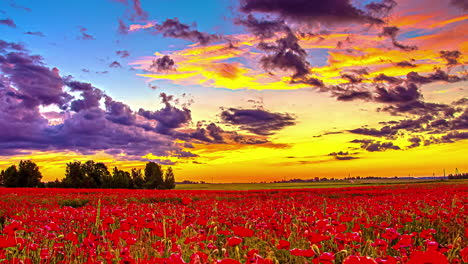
x: 10, y: 176
x: 29, y: 174
x: 120, y: 179
x: 153, y: 176
x: 74, y: 175
x: 169, y: 179
x: 95, y: 174
x: 137, y: 179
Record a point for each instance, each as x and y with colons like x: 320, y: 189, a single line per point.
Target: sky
x: 238, y: 90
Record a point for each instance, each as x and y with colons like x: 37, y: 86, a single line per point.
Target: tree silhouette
x: 74, y: 175
x: 169, y: 179
x: 153, y: 176
x: 137, y: 179
x: 10, y: 176
x: 120, y: 179
x: 29, y: 174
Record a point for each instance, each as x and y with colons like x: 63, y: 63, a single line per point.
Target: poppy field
x: 425, y: 223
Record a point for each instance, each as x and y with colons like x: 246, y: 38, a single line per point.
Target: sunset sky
x: 238, y: 90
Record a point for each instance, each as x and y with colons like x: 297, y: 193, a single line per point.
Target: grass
x: 306, y: 185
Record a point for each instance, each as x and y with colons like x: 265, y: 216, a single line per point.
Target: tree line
x: 90, y: 174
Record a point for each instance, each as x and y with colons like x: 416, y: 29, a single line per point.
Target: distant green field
x: 330, y: 184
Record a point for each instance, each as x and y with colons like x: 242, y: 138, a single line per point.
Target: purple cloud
x: 8, y: 22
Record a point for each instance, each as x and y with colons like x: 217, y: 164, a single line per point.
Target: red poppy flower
x: 234, y: 241
x: 428, y: 257
x: 283, y: 244
x: 464, y: 254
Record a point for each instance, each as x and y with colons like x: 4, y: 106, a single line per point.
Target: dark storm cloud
x: 115, y: 64
x: 174, y: 29
x: 311, y: 11
x: 392, y: 32
x: 463, y: 4
x: 451, y: 56
x: 257, y: 121
x: 165, y: 63
x: 286, y: 54
x: 123, y: 53
x: 8, y: 22
x: 35, y: 33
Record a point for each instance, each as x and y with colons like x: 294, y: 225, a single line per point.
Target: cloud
x: 27, y: 85
x: 36, y: 33
x: 168, y: 118
x: 122, y: 29
x: 392, y: 31
x: 123, y: 53
x: 345, y: 157
x: 352, y: 95
x: 405, y: 64
x: 385, y: 131
x: 10, y: 46
x: 341, y: 155
x: 14, y: 5
x: 286, y: 54
x: 174, y: 29
x: 385, y: 78
x: 373, y: 146
x: 8, y: 22
x: 36, y: 84
x: 264, y: 29
x: 164, y: 63
x: 415, y: 142
x: 451, y: 56
x: 462, y: 4
x: 257, y: 121
x: 139, y: 12
x: 312, y: 11
x: 115, y: 64
x: 398, y: 94
x: 136, y: 12
x: 84, y: 35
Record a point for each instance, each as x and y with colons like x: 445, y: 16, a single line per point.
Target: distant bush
x: 75, y: 203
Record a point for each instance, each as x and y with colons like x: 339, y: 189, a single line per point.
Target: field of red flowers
x: 387, y: 224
